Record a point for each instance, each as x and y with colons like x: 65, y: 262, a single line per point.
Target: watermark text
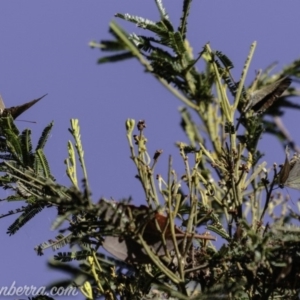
x: 25, y: 290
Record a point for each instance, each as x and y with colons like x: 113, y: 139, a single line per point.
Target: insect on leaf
x: 16, y: 111
x: 262, y: 99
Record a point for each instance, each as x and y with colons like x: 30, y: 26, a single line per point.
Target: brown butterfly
x: 154, y: 224
x: 263, y: 98
x: 16, y: 111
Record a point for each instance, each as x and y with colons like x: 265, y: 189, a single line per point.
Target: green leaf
x: 183, y: 20
x: 44, y: 136
x: 115, y: 58
x: 41, y: 165
x: 25, y: 140
x: 27, y: 215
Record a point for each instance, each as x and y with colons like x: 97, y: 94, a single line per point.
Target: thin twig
x: 285, y: 133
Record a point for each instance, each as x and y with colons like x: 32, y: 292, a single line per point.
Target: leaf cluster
x: 166, y: 248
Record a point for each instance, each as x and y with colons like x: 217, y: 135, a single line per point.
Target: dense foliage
x: 166, y: 248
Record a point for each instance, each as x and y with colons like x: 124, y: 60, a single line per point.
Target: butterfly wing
x: 293, y: 180
x: 264, y: 98
x: 2, y: 105
x: 285, y: 170
x: 16, y: 111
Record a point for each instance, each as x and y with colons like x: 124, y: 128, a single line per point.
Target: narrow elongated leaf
x: 44, y: 166
x: 25, y: 140
x: 183, y: 20
x: 26, y: 216
x: 44, y: 136
x: 225, y: 60
x: 14, y: 144
x: 115, y: 58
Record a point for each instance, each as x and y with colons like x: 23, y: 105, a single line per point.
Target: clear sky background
x: 44, y: 49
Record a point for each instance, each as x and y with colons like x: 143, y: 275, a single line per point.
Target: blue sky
x: 44, y: 49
